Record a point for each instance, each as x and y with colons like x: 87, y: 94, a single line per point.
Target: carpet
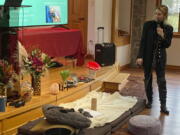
x: 134, y: 87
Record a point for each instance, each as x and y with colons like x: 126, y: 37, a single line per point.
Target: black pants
x: 161, y: 81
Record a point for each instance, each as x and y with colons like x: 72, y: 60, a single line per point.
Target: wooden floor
x: 171, y: 123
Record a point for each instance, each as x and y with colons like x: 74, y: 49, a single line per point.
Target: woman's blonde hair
x: 164, y: 10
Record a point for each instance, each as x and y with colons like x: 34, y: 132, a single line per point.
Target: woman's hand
x: 139, y: 61
x: 160, y: 32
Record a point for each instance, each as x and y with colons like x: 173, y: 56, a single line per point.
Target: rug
x: 134, y: 87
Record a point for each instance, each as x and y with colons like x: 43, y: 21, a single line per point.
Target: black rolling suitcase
x: 104, y: 52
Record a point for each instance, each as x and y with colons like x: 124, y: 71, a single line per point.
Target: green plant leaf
x: 65, y: 74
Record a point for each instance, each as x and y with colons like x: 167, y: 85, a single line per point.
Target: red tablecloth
x: 55, y: 42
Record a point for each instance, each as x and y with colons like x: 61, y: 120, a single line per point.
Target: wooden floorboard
x: 171, y: 123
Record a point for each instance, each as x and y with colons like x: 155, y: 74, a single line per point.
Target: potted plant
x: 64, y: 75
x: 7, y: 79
x: 36, y: 64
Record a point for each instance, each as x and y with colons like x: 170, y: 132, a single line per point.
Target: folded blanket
x: 60, y: 115
x: 110, y: 106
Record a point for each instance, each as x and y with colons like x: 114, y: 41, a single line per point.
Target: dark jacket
x: 149, y: 40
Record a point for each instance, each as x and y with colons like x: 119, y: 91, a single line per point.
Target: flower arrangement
x: 36, y: 62
x: 7, y: 77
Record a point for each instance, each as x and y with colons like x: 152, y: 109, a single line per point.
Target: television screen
x: 33, y: 12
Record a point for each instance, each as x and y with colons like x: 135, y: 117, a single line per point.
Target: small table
x: 56, y: 42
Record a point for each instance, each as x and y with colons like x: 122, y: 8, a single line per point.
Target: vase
x: 3, y: 100
x: 36, y: 84
x: 92, y: 73
x: 26, y: 91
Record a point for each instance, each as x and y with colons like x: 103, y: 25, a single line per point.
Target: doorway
x: 78, y: 17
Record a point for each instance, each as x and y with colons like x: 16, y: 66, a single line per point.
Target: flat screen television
x: 33, y: 13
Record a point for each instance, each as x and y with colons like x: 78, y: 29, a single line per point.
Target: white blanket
x: 109, y: 106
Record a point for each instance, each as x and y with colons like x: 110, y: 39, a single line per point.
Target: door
x: 78, y: 17
x: 121, y: 21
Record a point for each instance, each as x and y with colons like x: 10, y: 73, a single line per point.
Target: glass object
x: 36, y: 84
x: 3, y: 100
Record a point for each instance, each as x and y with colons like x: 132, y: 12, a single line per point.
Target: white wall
x: 172, y: 52
x: 122, y: 52
x: 123, y: 55
x: 103, y: 17
x: 107, y: 19
x: 99, y: 15
x: 124, y: 15
x: 91, y: 27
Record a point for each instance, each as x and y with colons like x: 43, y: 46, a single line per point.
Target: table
x: 54, y: 41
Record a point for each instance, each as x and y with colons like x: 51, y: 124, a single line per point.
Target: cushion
x: 144, y: 125
x: 60, y: 115
x: 121, y: 120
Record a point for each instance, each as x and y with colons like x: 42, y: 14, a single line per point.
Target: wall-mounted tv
x: 33, y: 13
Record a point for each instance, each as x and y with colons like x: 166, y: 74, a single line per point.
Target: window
x: 174, y: 13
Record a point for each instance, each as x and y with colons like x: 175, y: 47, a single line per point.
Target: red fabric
x: 55, y: 42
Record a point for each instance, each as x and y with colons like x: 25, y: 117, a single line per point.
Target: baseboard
x: 123, y: 67
x: 173, y: 67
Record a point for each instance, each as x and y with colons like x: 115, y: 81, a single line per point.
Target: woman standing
x: 156, y: 37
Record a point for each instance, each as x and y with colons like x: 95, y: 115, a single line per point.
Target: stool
x: 144, y: 125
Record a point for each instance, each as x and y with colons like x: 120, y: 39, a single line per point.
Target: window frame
x: 175, y: 34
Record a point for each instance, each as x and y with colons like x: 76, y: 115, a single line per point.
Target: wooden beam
x: 171, y: 67
x: 179, y: 22
x: 158, y: 3
x: 113, y: 20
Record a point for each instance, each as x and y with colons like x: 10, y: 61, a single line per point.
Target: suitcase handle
x: 100, y: 28
x: 100, y: 35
